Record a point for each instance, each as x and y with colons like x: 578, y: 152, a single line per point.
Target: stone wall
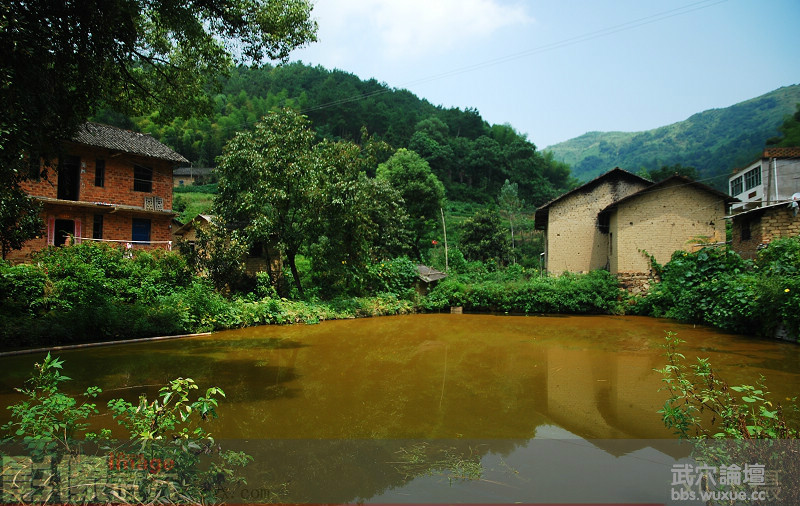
x: 636, y: 283
x: 765, y: 226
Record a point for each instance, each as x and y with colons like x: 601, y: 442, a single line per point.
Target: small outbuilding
x: 753, y: 230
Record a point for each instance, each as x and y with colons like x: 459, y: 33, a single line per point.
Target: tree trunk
x: 293, y: 267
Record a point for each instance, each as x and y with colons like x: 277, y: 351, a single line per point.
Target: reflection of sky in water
x: 500, y: 380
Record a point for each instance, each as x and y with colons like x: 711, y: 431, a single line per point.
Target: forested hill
x: 470, y: 156
x: 714, y: 142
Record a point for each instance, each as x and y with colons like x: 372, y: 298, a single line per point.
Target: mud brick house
x: 187, y: 176
x: 617, y: 220
x: 752, y: 230
x: 110, y: 185
x: 574, y: 241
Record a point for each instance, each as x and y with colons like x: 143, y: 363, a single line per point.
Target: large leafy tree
x: 421, y: 190
x: 483, y: 237
x: 361, y: 218
x: 269, y: 185
x: 279, y: 188
x: 62, y: 60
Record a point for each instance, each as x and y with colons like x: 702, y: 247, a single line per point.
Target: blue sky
x: 555, y: 69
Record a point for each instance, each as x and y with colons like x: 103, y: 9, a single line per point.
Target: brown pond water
x: 339, y: 404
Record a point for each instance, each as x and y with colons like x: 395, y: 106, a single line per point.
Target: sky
x: 556, y: 69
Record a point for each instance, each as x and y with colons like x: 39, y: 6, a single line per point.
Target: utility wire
x: 604, y: 32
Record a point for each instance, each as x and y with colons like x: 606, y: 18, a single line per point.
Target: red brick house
x: 111, y: 185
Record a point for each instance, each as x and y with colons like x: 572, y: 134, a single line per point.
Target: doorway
x: 62, y: 230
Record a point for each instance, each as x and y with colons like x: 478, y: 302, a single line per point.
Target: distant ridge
x: 714, y: 141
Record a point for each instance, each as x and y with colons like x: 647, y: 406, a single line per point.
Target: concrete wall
x: 662, y: 222
x: 574, y: 242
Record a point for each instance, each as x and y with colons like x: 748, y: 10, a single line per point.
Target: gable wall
x: 662, y: 222
x: 574, y: 243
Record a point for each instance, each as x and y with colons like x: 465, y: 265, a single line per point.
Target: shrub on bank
x: 96, y: 292
x: 595, y: 293
x: 717, y: 287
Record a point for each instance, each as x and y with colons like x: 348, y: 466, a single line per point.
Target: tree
x: 360, y: 218
x: 511, y: 204
x: 420, y: 189
x: 483, y: 237
x: 790, y: 131
x: 63, y: 60
x: 268, y: 188
x: 671, y: 170
x: 19, y: 219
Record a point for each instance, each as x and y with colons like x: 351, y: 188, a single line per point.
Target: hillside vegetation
x: 714, y: 141
x: 471, y: 157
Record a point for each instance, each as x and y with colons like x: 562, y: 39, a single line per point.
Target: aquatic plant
x: 731, y: 427
x: 166, y: 455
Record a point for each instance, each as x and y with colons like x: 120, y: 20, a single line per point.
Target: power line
x: 604, y: 32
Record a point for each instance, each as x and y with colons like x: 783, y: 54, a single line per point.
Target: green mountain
x: 714, y: 141
x: 470, y: 156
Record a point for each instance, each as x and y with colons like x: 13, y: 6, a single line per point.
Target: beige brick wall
x: 662, y: 222
x: 574, y: 243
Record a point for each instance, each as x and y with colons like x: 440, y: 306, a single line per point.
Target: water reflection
x: 478, y: 385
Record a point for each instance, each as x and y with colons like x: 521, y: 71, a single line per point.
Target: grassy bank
x: 95, y: 292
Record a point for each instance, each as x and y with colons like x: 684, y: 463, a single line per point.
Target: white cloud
x: 402, y: 30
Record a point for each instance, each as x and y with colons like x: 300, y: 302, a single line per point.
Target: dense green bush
x: 96, y: 292
x: 596, y: 292
x: 717, y: 287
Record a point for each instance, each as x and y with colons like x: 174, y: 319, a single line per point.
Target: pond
x: 347, y: 410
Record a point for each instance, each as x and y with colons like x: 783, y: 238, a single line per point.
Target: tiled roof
x: 790, y: 152
x: 541, y: 215
x: 192, y: 171
x: 118, y: 139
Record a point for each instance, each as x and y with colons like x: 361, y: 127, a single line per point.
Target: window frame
x: 752, y: 178
x: 97, y: 226
x: 737, y: 183
x: 100, y: 172
x: 142, y: 178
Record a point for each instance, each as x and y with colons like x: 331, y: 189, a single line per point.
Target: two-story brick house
x: 111, y: 185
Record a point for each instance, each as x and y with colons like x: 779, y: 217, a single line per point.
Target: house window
x: 142, y: 179
x: 140, y: 230
x: 603, y: 222
x: 100, y: 172
x: 752, y: 178
x: 97, y: 227
x: 736, y: 186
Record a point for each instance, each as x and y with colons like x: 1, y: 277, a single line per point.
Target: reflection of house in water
x: 602, y: 398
